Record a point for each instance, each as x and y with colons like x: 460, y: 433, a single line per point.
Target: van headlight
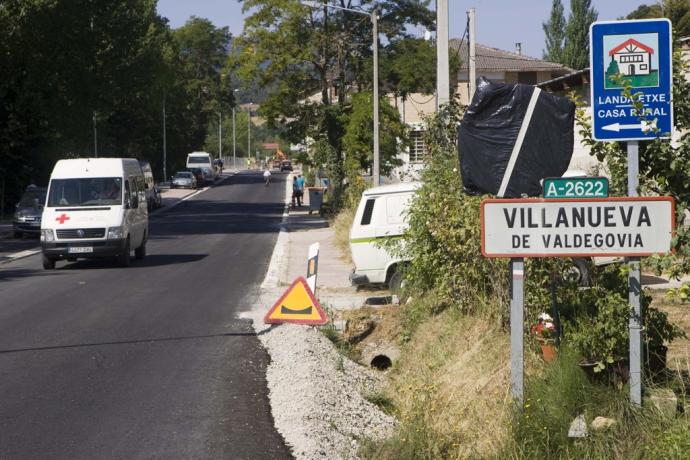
x: 115, y: 233
x: 47, y: 235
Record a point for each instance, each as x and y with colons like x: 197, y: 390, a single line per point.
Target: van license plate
x: 80, y: 249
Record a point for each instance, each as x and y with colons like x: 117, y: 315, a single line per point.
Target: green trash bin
x: 316, y: 199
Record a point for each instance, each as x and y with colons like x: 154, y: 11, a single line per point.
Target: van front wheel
x: 140, y: 252
x: 123, y: 258
x: 48, y: 263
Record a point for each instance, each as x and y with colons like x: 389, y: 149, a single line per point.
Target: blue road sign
x: 640, y: 53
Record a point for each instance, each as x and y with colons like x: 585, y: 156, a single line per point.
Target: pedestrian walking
x: 267, y: 177
x: 295, y: 191
x: 300, y: 189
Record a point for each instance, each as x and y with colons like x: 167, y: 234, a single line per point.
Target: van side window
x: 368, y: 211
x: 128, y: 194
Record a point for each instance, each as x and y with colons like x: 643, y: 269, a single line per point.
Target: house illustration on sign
x: 632, y: 57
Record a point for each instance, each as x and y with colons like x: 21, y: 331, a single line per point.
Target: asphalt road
x: 149, y: 361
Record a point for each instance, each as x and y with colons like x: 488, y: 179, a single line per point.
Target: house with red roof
x: 632, y: 57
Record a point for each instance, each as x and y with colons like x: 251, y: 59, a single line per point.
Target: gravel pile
x: 316, y: 393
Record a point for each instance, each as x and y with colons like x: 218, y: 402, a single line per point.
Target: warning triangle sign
x: 297, y: 305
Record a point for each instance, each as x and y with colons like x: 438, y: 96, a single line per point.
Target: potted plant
x: 658, y: 332
x: 601, y: 336
x: 545, y: 333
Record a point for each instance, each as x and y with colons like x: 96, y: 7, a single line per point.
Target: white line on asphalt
x: 20, y: 255
x: 278, y: 259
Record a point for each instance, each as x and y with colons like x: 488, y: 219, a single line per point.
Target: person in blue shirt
x: 300, y: 189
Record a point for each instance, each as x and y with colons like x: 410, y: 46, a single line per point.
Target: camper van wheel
x: 123, y: 258
x: 140, y: 252
x: 48, y: 263
x: 395, y: 282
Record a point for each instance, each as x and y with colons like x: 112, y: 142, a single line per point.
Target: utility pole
x: 95, y: 136
x: 377, y: 159
x: 234, y: 146
x: 165, y: 146
x: 442, y: 66
x: 472, y: 65
x: 249, y: 131
x: 220, y: 135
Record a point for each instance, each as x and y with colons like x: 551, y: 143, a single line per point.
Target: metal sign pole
x: 516, y: 333
x: 634, y: 291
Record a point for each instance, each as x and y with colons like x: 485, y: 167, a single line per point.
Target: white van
x: 203, y: 161
x: 382, y: 213
x: 96, y: 207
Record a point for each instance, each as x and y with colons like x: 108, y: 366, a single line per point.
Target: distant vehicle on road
x: 152, y: 202
x: 204, y: 161
x: 382, y: 213
x: 285, y: 165
x: 27, y: 215
x: 184, y: 179
x: 95, y: 208
x: 198, y: 175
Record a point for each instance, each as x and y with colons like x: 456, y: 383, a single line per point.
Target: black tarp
x: 489, y: 131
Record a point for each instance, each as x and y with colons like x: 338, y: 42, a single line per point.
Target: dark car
x: 27, y: 217
x: 199, y: 176
x: 286, y: 165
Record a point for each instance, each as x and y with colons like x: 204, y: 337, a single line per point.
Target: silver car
x: 184, y: 179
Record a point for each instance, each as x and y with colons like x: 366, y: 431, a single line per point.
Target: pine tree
x: 576, y: 48
x: 554, y: 30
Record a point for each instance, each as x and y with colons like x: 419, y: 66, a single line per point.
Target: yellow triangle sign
x: 297, y: 305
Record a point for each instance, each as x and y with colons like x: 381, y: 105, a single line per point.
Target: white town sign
x: 628, y: 226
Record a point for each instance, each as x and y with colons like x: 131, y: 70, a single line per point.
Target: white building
x: 632, y: 57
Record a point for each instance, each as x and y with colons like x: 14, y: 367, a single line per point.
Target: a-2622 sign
x: 628, y: 226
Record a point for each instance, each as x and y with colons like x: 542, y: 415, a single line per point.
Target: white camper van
x: 203, y: 161
x: 381, y: 213
x: 96, y: 207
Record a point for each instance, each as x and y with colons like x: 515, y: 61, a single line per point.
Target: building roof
x: 493, y: 59
x: 630, y: 46
x: 566, y: 82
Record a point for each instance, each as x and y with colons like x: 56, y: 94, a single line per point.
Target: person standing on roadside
x: 295, y: 192
x: 300, y: 189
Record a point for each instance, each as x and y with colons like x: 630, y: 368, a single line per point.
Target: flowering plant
x: 544, y: 329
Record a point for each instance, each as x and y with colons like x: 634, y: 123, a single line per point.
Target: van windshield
x: 198, y: 160
x: 94, y: 191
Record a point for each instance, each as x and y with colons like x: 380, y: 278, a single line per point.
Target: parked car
x: 27, y: 216
x: 149, y: 185
x: 286, y: 165
x: 95, y: 209
x: 382, y: 213
x: 199, y: 176
x: 184, y: 179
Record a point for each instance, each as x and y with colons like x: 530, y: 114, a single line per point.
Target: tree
x: 358, y: 139
x: 576, y: 48
x: 554, y: 31
x: 297, y: 51
x: 678, y: 11
x: 408, y: 66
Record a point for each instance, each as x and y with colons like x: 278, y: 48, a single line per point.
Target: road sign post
x: 639, y: 53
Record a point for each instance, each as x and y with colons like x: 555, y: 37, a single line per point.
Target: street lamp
x: 234, y: 162
x: 375, y: 47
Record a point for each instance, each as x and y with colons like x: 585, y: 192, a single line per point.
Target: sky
x: 500, y: 23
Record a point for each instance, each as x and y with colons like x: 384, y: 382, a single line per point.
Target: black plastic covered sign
x: 511, y: 137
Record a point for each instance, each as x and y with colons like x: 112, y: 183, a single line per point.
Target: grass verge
x: 341, y: 225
